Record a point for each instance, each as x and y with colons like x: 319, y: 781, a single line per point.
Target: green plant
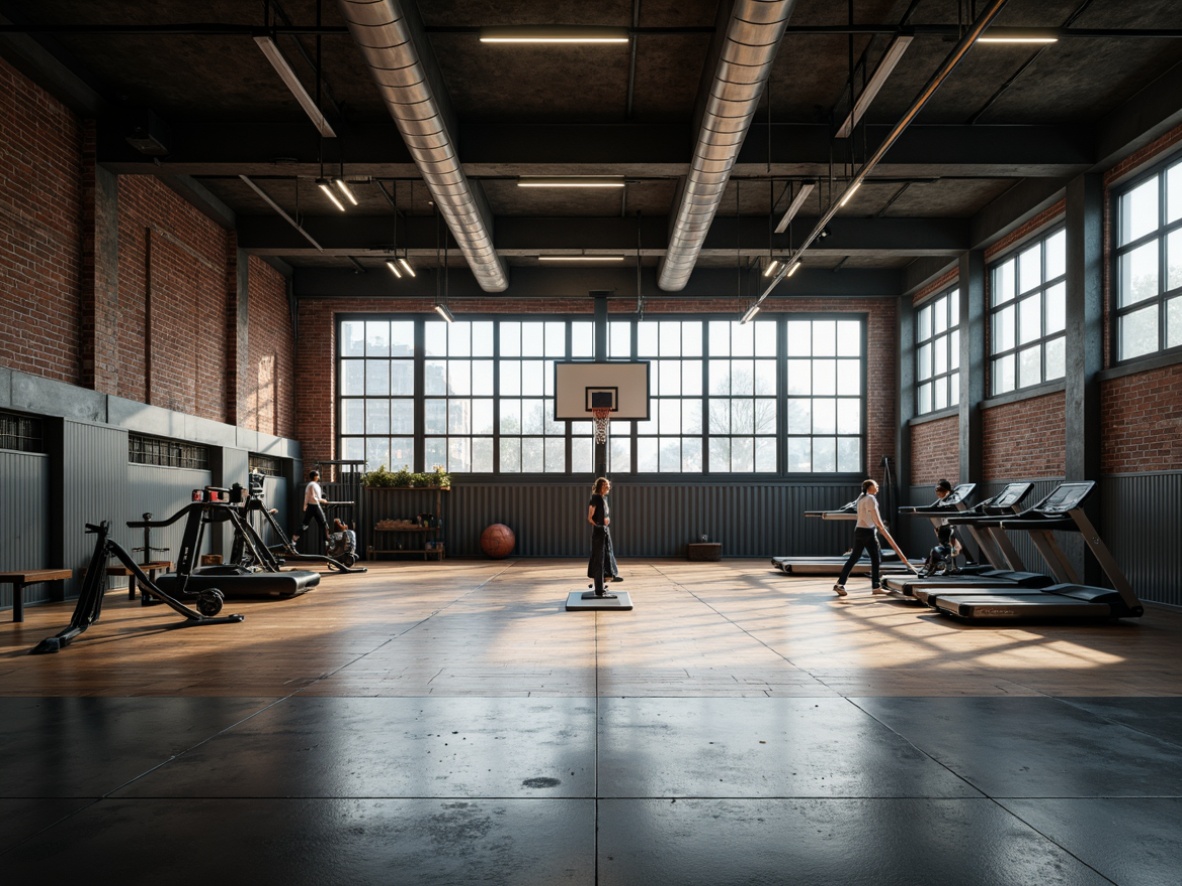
x: 382, y: 477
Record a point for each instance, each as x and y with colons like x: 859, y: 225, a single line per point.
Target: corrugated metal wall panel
x: 648, y: 519
x: 93, y: 489
x: 162, y: 492
x: 24, y: 514
x: 1141, y: 524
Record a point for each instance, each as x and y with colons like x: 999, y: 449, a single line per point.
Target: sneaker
x: 877, y: 589
x: 839, y: 590
x: 617, y: 578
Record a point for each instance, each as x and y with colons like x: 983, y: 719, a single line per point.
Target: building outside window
x: 1028, y: 315
x: 1147, y: 262
x: 937, y: 353
x: 477, y: 396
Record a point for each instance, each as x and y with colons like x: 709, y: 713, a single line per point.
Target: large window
x: 1148, y: 263
x: 824, y: 402
x: 937, y: 353
x: 1028, y: 315
x: 477, y: 396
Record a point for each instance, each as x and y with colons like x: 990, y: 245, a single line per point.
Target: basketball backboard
x: 581, y: 386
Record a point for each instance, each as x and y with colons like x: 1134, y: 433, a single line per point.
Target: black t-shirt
x: 600, y: 512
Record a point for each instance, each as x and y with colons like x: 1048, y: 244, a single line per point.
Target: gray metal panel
x: 648, y: 519
x: 24, y: 514
x: 160, y: 492
x: 93, y: 489
x: 1141, y: 523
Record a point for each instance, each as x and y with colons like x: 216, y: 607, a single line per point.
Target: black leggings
x: 314, y: 512
x: 864, y: 540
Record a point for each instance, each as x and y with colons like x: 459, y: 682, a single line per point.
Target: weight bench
x: 21, y: 580
x: 150, y: 569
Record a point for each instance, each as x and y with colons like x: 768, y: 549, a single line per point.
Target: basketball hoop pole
x: 602, y: 423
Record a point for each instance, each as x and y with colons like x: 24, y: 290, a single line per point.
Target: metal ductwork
x: 743, y: 64
x: 384, y: 32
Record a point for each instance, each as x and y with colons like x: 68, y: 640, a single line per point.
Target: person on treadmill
x: 602, y: 565
x: 314, y: 501
x: 946, y: 535
x: 866, y: 539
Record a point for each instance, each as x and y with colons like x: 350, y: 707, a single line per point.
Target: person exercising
x: 602, y: 564
x: 866, y: 539
x: 946, y: 535
x: 314, y: 501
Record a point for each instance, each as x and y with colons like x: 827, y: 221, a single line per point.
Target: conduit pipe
x: 743, y: 65
x: 385, y: 35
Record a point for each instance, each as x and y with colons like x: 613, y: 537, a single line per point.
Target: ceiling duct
x: 743, y: 64
x: 385, y: 34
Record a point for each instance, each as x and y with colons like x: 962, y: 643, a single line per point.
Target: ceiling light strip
x: 288, y: 75
x: 886, y: 66
x: 554, y: 35
x: 279, y: 209
x: 795, y: 206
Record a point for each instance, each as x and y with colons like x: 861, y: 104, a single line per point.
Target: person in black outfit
x: 602, y: 564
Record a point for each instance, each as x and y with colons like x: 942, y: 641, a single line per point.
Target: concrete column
x: 973, y: 318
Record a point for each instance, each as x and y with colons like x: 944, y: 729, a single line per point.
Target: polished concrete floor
x: 452, y: 723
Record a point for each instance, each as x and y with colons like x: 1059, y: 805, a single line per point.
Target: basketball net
x: 602, y: 417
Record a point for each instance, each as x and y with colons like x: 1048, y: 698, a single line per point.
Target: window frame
x: 1017, y: 300
x: 1165, y: 297
x: 950, y: 338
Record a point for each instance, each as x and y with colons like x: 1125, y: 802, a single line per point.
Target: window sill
x: 1160, y: 360
x: 1055, y: 387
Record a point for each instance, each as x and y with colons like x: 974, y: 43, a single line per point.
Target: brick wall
x: 1024, y: 440
x: 173, y: 302
x: 1142, y: 416
x: 268, y: 386
x: 316, y: 349
x: 935, y: 451
x: 40, y: 231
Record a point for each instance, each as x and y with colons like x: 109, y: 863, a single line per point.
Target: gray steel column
x: 973, y: 318
x: 1085, y: 348
x: 600, y: 352
x: 906, y: 333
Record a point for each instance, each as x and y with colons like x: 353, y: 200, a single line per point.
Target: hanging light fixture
x: 394, y: 269
x: 750, y: 315
x: 343, y: 187
x: 326, y: 186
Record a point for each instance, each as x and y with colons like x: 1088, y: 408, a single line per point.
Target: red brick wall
x: 1024, y: 440
x: 268, y: 386
x: 40, y: 231
x: 173, y: 302
x: 935, y: 451
x: 1142, y: 422
x: 316, y: 348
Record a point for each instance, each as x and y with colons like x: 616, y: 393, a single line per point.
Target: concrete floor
x: 452, y: 723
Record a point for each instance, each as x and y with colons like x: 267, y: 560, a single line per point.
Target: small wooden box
x: 704, y: 550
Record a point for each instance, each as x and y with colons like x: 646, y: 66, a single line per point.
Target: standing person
x: 602, y: 564
x: 866, y: 539
x: 313, y: 507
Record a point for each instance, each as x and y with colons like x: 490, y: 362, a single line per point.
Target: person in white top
x: 313, y: 501
x: 866, y: 539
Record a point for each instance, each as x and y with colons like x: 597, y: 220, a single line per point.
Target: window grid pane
x: 825, y: 402
x: 937, y: 353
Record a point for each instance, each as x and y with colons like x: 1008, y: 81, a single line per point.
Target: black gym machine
x: 90, y: 601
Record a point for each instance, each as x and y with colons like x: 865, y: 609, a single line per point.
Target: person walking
x: 866, y: 539
x: 314, y: 502
x: 602, y: 564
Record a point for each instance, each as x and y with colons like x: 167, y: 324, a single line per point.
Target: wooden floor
x: 499, y: 628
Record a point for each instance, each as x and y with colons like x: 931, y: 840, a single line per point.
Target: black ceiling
x: 998, y: 138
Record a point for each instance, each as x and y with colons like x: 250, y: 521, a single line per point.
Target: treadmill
x: 1005, y: 567
x: 832, y: 565
x: 1062, y: 511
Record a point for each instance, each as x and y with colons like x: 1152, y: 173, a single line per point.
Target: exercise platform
x: 587, y: 601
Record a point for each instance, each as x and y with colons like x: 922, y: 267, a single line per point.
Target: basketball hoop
x: 603, y: 415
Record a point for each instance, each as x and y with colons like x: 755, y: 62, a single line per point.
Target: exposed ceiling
x: 996, y: 140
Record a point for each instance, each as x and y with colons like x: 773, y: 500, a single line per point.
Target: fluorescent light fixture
x: 1005, y: 35
x: 343, y: 187
x: 406, y: 266
x: 551, y: 34
x: 394, y: 269
x: 751, y: 312
x: 890, y: 58
x: 443, y: 312
x: 849, y: 192
x: 771, y: 267
x: 580, y: 258
x: 571, y: 181
x: 288, y: 76
x: 794, y: 206
x: 326, y: 186
x: 792, y: 270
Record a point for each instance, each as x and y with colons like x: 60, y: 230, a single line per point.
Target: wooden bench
x: 705, y: 550
x: 150, y: 569
x: 21, y: 580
